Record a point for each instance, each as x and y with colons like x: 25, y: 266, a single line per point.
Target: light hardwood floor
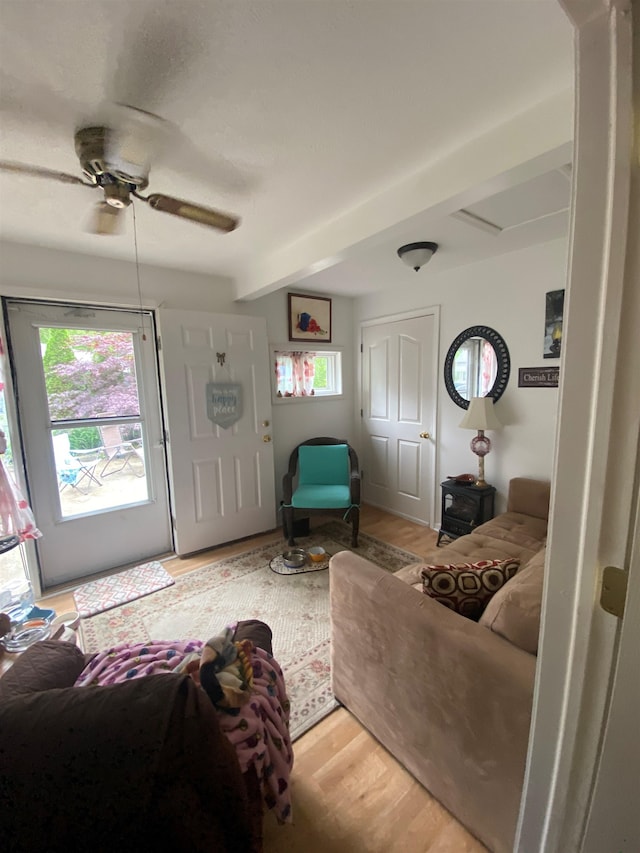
x: 349, y: 794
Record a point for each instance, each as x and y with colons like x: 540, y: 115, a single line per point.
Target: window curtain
x: 16, y: 518
x: 295, y: 372
x: 489, y: 368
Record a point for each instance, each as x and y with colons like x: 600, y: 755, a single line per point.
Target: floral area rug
x: 110, y: 591
x: 296, y: 607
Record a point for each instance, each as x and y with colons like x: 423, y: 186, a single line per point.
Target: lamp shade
x: 480, y: 415
x: 416, y: 255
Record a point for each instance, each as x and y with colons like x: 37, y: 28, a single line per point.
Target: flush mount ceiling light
x: 416, y: 255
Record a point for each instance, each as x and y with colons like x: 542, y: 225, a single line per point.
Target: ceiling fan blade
x: 185, y: 157
x: 193, y: 212
x: 41, y: 172
x: 107, y: 220
x: 152, y: 51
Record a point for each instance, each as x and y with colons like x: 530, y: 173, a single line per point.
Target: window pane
x: 320, y: 378
x: 99, y: 468
x: 89, y: 374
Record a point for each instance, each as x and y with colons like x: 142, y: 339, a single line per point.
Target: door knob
x: 424, y: 435
x: 266, y: 438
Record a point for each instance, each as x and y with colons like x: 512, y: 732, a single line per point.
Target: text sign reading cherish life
x: 224, y: 403
x: 538, y: 377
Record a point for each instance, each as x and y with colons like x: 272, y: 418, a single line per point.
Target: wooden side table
x: 464, y: 507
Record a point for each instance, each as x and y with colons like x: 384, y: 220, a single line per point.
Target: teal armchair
x: 326, y: 475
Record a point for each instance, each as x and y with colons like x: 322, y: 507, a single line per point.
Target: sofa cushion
x: 467, y: 587
x: 468, y: 549
x: 45, y: 665
x: 529, y: 497
x: 514, y: 611
x: 323, y: 464
x: 322, y: 497
x: 515, y: 528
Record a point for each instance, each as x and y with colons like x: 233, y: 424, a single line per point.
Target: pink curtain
x: 16, y: 517
x: 489, y: 368
x: 295, y: 372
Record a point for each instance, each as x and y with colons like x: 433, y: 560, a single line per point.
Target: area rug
x: 244, y: 587
x: 114, y: 590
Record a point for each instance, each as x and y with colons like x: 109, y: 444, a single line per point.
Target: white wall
x: 42, y: 273
x: 508, y: 294
x: 39, y: 272
x: 296, y: 420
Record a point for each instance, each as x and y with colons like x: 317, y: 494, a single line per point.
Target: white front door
x: 399, y: 363
x: 88, y: 400
x: 222, y: 479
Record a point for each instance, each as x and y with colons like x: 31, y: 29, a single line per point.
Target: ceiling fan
x: 117, y: 159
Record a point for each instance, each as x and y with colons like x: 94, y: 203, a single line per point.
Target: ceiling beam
x: 481, y: 166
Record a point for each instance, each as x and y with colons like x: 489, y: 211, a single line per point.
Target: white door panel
x: 222, y: 479
x: 399, y: 364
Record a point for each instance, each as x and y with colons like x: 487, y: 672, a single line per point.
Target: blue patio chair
x: 328, y: 481
x: 70, y: 469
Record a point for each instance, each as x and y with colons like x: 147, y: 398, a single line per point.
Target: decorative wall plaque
x: 224, y: 403
x: 538, y: 377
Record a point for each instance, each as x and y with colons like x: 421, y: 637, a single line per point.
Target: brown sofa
x: 142, y: 765
x: 450, y: 698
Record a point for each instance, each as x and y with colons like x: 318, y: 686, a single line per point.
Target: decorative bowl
x: 465, y: 479
x: 26, y: 635
x: 294, y: 558
x: 70, y: 619
x: 317, y: 553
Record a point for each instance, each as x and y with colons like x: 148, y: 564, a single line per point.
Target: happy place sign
x: 224, y: 403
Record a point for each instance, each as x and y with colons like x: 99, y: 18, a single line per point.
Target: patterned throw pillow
x: 467, y: 587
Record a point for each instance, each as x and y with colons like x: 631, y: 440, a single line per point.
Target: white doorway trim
x: 591, y: 522
x: 132, y: 524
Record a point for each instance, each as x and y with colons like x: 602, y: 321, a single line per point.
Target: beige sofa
x: 448, y: 697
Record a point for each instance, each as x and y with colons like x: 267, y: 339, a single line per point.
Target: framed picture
x: 554, y: 309
x: 309, y: 318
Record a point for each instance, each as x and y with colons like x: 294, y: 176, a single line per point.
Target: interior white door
x: 398, y: 364
x: 222, y: 479
x: 83, y: 373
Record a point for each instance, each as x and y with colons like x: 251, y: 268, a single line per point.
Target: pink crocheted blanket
x: 259, y: 729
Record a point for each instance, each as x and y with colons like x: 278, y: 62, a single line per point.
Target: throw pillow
x: 514, y: 612
x: 467, y: 587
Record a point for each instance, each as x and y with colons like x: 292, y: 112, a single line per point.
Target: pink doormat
x: 105, y: 593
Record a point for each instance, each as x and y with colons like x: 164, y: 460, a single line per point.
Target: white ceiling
x: 295, y: 111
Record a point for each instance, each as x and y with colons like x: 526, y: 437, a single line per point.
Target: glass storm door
x: 88, y: 400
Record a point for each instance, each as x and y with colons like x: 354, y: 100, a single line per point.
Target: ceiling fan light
x: 416, y: 255
x: 117, y: 195
x: 107, y: 220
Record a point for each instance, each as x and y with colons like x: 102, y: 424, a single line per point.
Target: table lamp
x: 480, y: 416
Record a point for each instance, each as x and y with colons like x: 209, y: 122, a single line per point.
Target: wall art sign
x: 309, y: 318
x: 538, y: 377
x: 554, y: 310
x: 224, y: 403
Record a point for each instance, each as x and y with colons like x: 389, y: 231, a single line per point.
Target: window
x: 304, y: 374
x: 474, y: 368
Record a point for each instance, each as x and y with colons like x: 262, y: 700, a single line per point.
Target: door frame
x: 428, y: 311
x: 594, y: 480
x: 14, y: 418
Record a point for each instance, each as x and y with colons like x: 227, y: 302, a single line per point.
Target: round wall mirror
x: 477, y: 365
